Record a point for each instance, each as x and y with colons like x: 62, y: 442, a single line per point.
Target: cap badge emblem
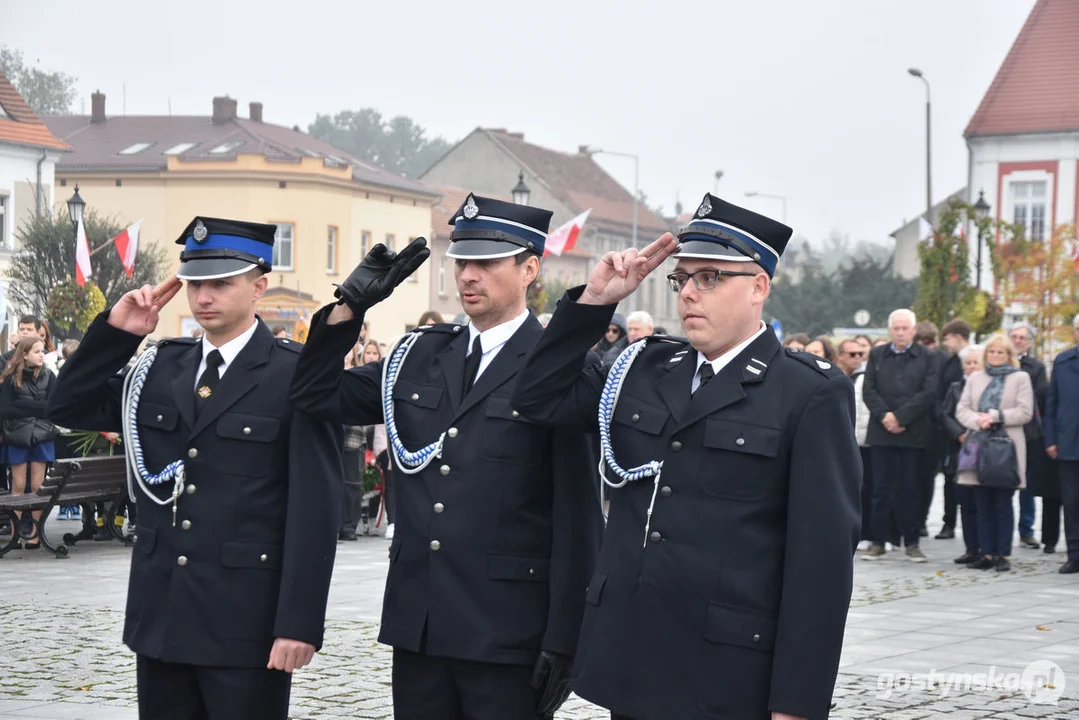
x: 471, y: 209
x: 200, y: 233
x: 705, y: 209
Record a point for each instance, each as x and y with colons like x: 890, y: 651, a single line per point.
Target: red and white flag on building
x: 127, y: 244
x: 564, y: 238
x: 82, y: 256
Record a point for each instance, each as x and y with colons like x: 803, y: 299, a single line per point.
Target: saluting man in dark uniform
x: 238, y: 497
x: 497, y: 519
x: 725, y: 575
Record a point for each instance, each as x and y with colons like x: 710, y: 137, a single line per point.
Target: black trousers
x: 438, y: 688
x: 171, y: 691
x: 996, y: 519
x: 897, y: 470
x: 968, y: 510
x: 353, y: 500
x: 867, y: 494
x: 950, y: 500
x: 1051, y: 521
x: 1069, y: 495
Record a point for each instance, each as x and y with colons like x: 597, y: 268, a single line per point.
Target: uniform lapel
x: 509, y: 360
x: 238, y: 379
x: 674, y: 387
x: 183, y: 384
x: 725, y: 389
x: 452, y: 362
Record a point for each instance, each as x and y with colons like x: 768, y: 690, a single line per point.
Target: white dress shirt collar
x: 725, y: 359
x: 492, y: 340
x: 228, y: 351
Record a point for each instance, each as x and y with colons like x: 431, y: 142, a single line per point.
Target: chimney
x: 517, y: 135
x: 255, y: 112
x: 583, y: 150
x: 224, y: 110
x: 97, y: 107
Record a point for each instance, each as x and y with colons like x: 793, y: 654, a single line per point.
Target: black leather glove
x: 381, y: 271
x: 551, y: 681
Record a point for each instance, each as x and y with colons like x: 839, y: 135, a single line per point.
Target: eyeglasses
x: 702, y: 279
x: 855, y: 353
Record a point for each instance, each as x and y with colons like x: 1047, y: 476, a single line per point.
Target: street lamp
x: 521, y: 193
x: 781, y: 198
x: 715, y: 185
x: 75, y: 207
x: 928, y: 147
x: 982, y: 209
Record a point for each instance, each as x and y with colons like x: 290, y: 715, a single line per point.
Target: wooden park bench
x: 69, y: 482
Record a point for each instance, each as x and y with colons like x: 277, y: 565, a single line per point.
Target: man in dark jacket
x: 900, y: 390
x: 1039, y: 471
x: 498, y: 520
x: 955, y: 338
x: 239, y: 495
x: 1061, y: 423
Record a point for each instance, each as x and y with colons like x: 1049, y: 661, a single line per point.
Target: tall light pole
x: 781, y: 198
x: 982, y: 209
x: 928, y: 146
x: 715, y: 185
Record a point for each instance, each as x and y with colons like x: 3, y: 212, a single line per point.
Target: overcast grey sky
x: 804, y: 98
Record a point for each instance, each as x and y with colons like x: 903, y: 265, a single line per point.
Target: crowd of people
x: 928, y: 402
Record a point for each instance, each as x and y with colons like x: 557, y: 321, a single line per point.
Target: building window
x: 1028, y: 207
x: 391, y: 242
x: 282, y: 247
x: 3, y: 222
x: 331, y: 250
x: 136, y: 148
x: 365, y: 243
x: 442, y: 279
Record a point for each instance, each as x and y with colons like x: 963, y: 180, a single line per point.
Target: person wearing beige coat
x: 1014, y: 409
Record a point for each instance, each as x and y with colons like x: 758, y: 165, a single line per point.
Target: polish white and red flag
x: 127, y: 244
x: 564, y: 238
x: 82, y: 256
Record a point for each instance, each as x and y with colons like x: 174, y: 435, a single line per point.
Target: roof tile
x: 21, y: 125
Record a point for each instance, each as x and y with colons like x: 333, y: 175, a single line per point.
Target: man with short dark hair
x: 1042, y: 477
x: 955, y: 337
x: 1061, y: 423
x: 851, y: 356
x: 29, y: 326
x: 239, y: 495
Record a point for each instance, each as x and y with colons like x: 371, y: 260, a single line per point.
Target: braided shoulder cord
x: 136, y: 465
x: 410, y: 463
x: 608, y: 401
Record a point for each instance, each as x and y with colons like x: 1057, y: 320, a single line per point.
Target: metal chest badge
x: 200, y: 233
x: 205, y: 392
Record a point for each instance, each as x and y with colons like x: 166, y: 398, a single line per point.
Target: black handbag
x: 28, y: 432
x: 998, y: 463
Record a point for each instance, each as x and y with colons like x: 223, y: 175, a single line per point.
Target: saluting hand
x: 618, y: 274
x: 376, y: 277
x: 138, y: 311
x: 289, y: 655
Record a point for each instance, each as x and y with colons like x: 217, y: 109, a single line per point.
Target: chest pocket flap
x: 255, y: 428
x: 499, y: 407
x: 741, y: 437
x: 159, y: 417
x: 424, y: 396
x: 639, y: 415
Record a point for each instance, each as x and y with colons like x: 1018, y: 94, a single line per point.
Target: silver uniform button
x: 263, y: 557
x: 415, y: 397
x: 452, y: 432
x: 247, y: 431
x: 134, y: 538
x: 516, y: 414
x: 531, y: 572
x: 445, y: 469
x: 740, y: 442
x: 435, y: 545
x: 186, y: 524
x: 439, y: 507
x: 191, y: 489
x: 181, y: 561
x: 756, y: 638
x: 160, y: 418
x: 636, y: 417
x: 193, y: 453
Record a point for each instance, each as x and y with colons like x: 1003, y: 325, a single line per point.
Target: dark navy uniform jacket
x: 734, y: 604
x: 252, y: 551
x: 496, y: 539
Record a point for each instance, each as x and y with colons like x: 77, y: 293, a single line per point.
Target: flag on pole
x: 925, y: 231
x: 82, y: 256
x: 127, y: 244
x: 564, y: 238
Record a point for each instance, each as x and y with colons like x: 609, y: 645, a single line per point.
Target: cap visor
x: 708, y: 250
x: 482, y: 249
x: 213, y: 269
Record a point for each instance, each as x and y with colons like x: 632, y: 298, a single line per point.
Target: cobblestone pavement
x: 61, y: 656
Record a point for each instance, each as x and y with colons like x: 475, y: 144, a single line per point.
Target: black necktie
x: 707, y: 372
x: 207, y: 384
x: 472, y: 364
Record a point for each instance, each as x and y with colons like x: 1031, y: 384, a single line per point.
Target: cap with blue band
x: 486, y: 229
x: 215, y: 248
x: 722, y: 231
